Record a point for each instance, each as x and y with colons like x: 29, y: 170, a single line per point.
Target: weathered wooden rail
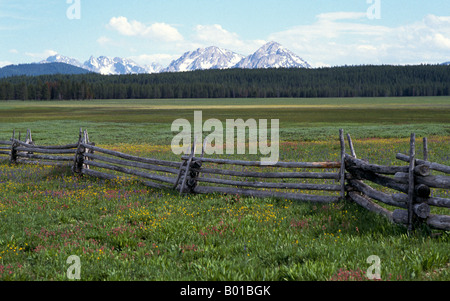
x: 413, y: 184
x: 321, y: 182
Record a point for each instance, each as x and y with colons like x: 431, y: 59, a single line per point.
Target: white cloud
x: 41, y: 55
x: 348, y: 38
x: 216, y: 35
x: 158, y: 31
x: 13, y: 51
x: 103, y: 41
x: 160, y: 58
x: 335, y: 16
x: 5, y: 63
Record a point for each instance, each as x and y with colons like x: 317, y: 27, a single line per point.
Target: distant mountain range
x: 270, y: 55
x: 40, y: 69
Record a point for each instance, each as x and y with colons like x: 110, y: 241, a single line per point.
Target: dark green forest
x: 346, y: 81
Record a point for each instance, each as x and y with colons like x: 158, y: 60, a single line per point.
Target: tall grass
x: 125, y: 231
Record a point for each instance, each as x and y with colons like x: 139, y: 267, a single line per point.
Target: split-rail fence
x: 323, y: 182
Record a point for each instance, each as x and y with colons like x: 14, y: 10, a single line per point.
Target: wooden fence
x: 413, y: 184
x: 322, y: 182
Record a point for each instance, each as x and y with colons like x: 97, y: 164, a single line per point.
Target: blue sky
x: 323, y: 32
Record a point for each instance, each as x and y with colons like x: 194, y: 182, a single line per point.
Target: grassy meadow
x: 122, y: 230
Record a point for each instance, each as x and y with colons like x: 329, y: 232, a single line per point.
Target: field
x: 126, y: 231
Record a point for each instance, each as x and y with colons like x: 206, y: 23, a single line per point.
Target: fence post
x: 197, y: 164
x: 79, y: 155
x: 425, y: 149
x: 342, y: 170
x: 411, y: 179
x: 13, y: 156
x: 188, y: 166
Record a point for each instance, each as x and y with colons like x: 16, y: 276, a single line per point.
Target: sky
x: 322, y: 32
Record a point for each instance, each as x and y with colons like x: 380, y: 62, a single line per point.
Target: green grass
x: 149, y: 121
x: 125, y: 231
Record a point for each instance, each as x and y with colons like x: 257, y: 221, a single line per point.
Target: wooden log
x: 378, y: 179
x: 44, y: 157
x: 267, y: 194
x: 422, y: 210
x: 68, y: 146
x: 277, y: 175
x: 411, y: 181
x: 422, y: 190
x: 45, y: 151
x: 5, y: 142
x: 188, y: 165
x: 131, y: 163
x: 13, y: 153
x: 425, y: 149
x: 98, y: 174
x: 192, y: 182
x: 438, y: 202
x: 369, y: 205
x: 78, y: 159
x: 180, y: 173
x: 132, y: 158
x: 350, y: 161
x: 318, y: 165
x: 342, y: 170
x: 422, y: 170
x: 132, y: 172
x: 441, y: 222
x: 434, y: 166
x: 5, y: 153
x: 431, y: 181
x: 432, y: 201
x: 322, y: 187
x: 375, y: 194
x: 350, y: 143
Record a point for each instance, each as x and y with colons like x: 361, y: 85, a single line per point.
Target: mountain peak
x: 58, y: 58
x: 211, y: 57
x: 273, y: 55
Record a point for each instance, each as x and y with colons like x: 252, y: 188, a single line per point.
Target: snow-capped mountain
x: 446, y: 64
x: 272, y: 55
x: 153, y: 68
x: 62, y: 59
x: 107, y: 66
x: 205, y: 58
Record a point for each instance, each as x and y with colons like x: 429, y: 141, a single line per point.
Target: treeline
x: 347, y: 81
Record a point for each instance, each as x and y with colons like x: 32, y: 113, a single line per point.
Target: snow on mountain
x: 62, y: 59
x: 153, y: 68
x: 272, y: 55
x: 446, y: 64
x: 107, y: 66
x: 205, y: 58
